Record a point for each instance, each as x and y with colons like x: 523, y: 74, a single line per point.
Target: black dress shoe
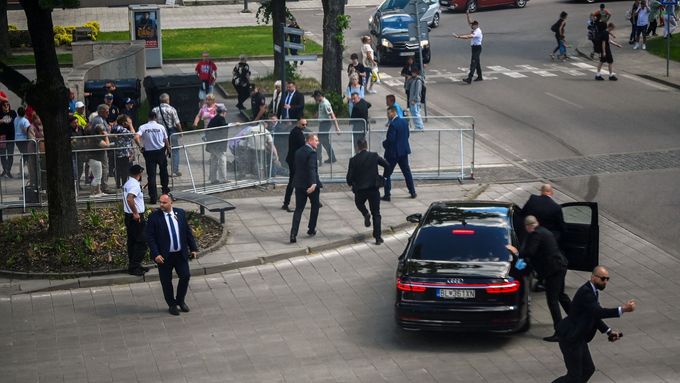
x: 414, y: 195
x: 467, y: 80
x: 292, y: 239
x: 183, y: 306
x: 287, y: 208
x: 146, y: 269
x: 552, y: 338
x: 137, y: 272
x: 386, y: 198
x: 173, y: 310
x: 379, y: 240
x: 367, y: 220
x: 311, y: 233
x: 479, y: 78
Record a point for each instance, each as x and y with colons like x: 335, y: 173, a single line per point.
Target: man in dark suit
x: 359, y: 113
x: 365, y: 181
x: 292, y: 104
x: 296, y: 140
x: 578, y: 328
x: 171, y: 243
x: 307, y: 185
x: 546, y: 210
x: 540, y: 248
x: 397, y: 150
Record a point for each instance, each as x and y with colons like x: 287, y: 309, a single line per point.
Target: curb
x: 222, y: 267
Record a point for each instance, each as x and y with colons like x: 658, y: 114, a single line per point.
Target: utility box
x: 145, y: 24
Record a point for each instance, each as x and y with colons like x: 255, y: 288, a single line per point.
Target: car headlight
x: 424, y: 43
x: 386, y: 43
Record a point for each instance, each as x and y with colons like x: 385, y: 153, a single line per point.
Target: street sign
x: 288, y: 44
x: 300, y: 58
x: 277, y: 48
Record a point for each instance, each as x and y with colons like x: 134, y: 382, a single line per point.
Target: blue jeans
x: 405, y: 170
x: 174, y: 141
x: 415, y: 116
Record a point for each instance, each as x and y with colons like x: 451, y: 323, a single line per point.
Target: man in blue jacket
x: 171, y: 243
x: 397, y: 150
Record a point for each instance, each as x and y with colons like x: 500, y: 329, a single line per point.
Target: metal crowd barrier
x: 23, y: 189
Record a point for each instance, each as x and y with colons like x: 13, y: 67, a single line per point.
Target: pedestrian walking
x: 578, y: 328
x: 390, y: 100
x: 293, y: 38
x: 276, y: 99
x: 135, y: 223
x: 359, y: 117
x: 258, y: 103
x: 156, y: 146
x: 327, y: 119
x: 475, y: 37
x: 655, y: 8
x: 631, y: 15
x: 416, y: 93
x: 598, y: 20
x: 217, y: 145
x: 397, y: 149
x: 356, y: 68
x: 670, y: 19
x: 123, y: 135
x: 642, y: 25
x: 307, y: 186
x: 292, y: 103
x: 370, y: 65
x: 167, y: 116
x: 354, y: 86
x: 366, y: 181
x: 407, y: 74
x: 206, y: 70
x: 7, y: 116
x: 541, y: 250
x: 558, y: 28
x: 241, y: 81
x: 296, y: 140
x: 606, y: 53
x: 171, y: 244
x: 207, y: 111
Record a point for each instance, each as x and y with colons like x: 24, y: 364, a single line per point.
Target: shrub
x: 12, y: 27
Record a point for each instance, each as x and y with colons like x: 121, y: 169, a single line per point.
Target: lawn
x: 657, y: 46
x: 29, y: 59
x: 228, y: 42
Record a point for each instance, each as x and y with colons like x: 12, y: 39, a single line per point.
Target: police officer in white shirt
x: 154, y: 140
x: 476, y: 36
x: 133, y: 206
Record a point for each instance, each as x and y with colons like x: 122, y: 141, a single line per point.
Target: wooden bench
x: 212, y: 203
x: 2, y: 208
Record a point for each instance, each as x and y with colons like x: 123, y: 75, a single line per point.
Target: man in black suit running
x: 296, y: 140
x: 578, y: 328
x: 365, y: 181
x: 307, y: 185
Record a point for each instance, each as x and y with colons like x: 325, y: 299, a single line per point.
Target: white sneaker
x: 636, y: 46
x: 371, y: 91
x: 644, y: 46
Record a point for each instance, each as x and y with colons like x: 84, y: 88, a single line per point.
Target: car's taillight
x: 503, y: 288
x: 414, y: 288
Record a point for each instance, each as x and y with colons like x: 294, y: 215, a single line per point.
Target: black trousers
x: 154, y: 158
x: 325, y: 140
x: 7, y: 158
x: 475, y: 64
x: 243, y: 94
x: 300, y: 202
x: 554, y: 294
x: 651, y: 30
x: 180, y: 264
x: 373, y: 198
x: 289, y: 187
x: 579, y: 363
x: 405, y: 170
x: 136, y: 242
x: 122, y: 170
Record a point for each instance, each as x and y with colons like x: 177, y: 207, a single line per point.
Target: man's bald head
x: 546, y: 189
x: 599, y: 277
x: 165, y: 202
x: 600, y: 270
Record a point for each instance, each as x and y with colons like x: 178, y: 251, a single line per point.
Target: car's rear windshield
x: 469, y: 242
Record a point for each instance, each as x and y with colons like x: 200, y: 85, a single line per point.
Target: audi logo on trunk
x: 454, y: 280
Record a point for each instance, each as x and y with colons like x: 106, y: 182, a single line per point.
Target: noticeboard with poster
x: 146, y: 28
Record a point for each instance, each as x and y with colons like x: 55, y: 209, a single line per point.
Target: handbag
x: 375, y: 74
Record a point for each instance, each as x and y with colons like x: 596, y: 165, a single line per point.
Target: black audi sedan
x: 456, y: 273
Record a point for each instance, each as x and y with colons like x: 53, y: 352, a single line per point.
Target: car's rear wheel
x: 435, y: 21
x: 522, y: 3
x: 472, y: 6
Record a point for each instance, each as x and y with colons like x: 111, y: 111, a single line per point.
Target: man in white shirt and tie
x: 476, y: 44
x: 171, y: 243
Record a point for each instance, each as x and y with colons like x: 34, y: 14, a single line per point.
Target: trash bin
x: 183, y: 91
x: 128, y: 88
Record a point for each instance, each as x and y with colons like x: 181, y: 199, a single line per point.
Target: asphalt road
x: 532, y: 109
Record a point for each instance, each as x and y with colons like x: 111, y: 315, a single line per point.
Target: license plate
x: 455, y: 294
x: 407, y: 53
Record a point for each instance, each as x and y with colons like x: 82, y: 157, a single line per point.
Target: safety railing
x: 22, y: 188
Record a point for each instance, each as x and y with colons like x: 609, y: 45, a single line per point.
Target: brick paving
x: 328, y: 318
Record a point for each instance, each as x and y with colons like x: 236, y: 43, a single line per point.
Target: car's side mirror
x: 414, y: 218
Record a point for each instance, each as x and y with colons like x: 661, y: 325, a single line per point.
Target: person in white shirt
x: 476, y: 43
x: 154, y: 140
x: 642, y: 25
x: 167, y: 116
x: 368, y: 60
x: 133, y: 207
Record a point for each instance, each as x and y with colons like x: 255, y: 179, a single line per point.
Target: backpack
x: 423, y: 90
x: 556, y: 27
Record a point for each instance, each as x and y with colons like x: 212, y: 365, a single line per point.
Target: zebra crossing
x: 572, y: 68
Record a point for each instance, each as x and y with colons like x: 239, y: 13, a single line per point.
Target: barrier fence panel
x: 22, y: 160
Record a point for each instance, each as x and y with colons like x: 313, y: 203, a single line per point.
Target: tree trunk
x: 49, y: 97
x: 331, y: 72
x: 278, y: 17
x: 4, y: 33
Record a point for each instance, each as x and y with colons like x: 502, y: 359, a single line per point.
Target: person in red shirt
x: 207, y: 73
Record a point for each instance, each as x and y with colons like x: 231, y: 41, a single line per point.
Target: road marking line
x: 583, y: 65
x: 564, y: 100
x: 544, y: 73
x: 572, y: 72
x: 513, y: 74
x: 385, y: 75
x: 648, y: 83
x: 527, y: 67
x: 506, y: 71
